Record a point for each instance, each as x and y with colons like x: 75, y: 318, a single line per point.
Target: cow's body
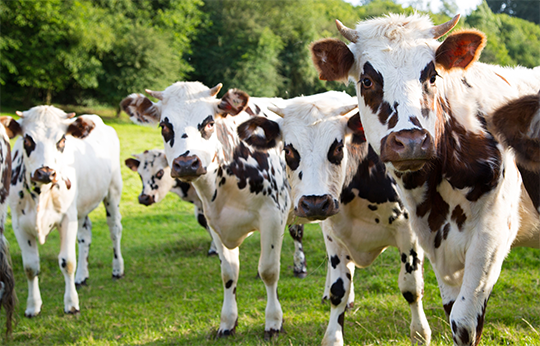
x: 242, y: 190
x: 7, y: 282
x: 62, y: 169
x: 423, y: 105
x: 336, y: 177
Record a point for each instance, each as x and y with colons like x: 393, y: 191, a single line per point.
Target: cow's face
x: 46, y: 132
x: 187, y: 114
x: 397, y: 64
x: 155, y: 175
x: 314, y: 134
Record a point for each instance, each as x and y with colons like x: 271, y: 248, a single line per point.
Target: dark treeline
x: 95, y: 52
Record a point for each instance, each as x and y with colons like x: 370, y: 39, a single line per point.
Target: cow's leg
x: 199, y: 215
x: 483, y: 264
x: 411, y: 283
x: 269, y: 263
x: 114, y: 221
x: 84, y: 239
x: 30, y: 257
x: 68, y: 262
x: 230, y: 266
x: 297, y: 233
x: 340, y: 287
x: 328, y: 282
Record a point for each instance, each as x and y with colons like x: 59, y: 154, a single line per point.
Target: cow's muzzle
x: 317, y: 207
x: 187, y: 168
x: 44, y: 175
x: 407, y: 150
x: 146, y: 199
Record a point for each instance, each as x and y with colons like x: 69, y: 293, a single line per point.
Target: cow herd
x: 438, y: 156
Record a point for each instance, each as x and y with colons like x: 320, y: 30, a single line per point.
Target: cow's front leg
x: 68, y: 262
x: 411, y: 283
x: 340, y: 280
x: 114, y: 221
x: 30, y: 257
x: 269, y: 263
x: 201, y: 219
x: 300, y: 268
x: 84, y: 239
x: 230, y: 266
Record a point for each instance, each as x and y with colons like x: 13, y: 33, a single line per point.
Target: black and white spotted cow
x: 155, y: 175
x: 63, y: 167
x: 423, y: 105
x: 7, y: 282
x: 242, y: 189
x: 336, y: 176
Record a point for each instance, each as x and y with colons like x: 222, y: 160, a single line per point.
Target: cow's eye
x: 367, y: 83
x: 159, y: 174
x: 209, y: 126
x: 61, y: 144
x: 433, y: 79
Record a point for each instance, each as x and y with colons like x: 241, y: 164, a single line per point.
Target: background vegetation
x: 95, y: 52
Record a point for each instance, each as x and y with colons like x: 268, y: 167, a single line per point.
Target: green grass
x: 172, y: 292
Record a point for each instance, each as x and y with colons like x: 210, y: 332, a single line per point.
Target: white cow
x: 336, y: 177
x: 424, y: 105
x: 63, y: 168
x: 242, y: 189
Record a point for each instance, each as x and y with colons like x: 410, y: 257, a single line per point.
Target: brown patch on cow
x: 512, y: 124
x: 81, y: 128
x: 460, y: 49
x: 68, y: 183
x: 246, y: 131
x: 6, y: 173
x: 140, y: 108
x: 428, y: 90
x: 393, y: 120
x: 458, y: 215
x: 373, y: 96
x: 12, y: 127
x: 332, y: 59
x: 70, y: 268
x: 234, y: 102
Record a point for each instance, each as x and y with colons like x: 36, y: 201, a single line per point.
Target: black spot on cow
x: 61, y: 144
x: 335, y: 261
x: 348, y: 275
x: 335, y: 153
x: 107, y: 212
x: 391, y: 219
x: 446, y: 229
x: 167, y: 131
x: 183, y: 186
x: 272, y: 246
x: 403, y: 258
x: 329, y: 238
x: 409, y: 297
x: 23, y: 212
x: 372, y: 207
x: 214, y: 196
x: 21, y: 194
x: 464, y: 81
x: 228, y: 284
x: 337, y: 292
x: 202, y: 220
x: 448, y: 308
x: 29, y: 145
x: 184, y: 135
x: 206, y: 128
x: 414, y: 120
x: 292, y: 157
x: 115, y: 255
x: 222, y: 181
x: 438, y: 239
x: 377, y: 220
x: 300, y: 175
x: 64, y: 263
x: 530, y: 181
x: 29, y: 243
x: 341, y: 321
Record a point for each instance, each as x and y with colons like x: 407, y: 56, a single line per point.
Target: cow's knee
x: 269, y: 275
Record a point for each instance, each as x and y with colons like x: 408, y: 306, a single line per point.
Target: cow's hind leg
x: 84, y: 239
x: 230, y: 265
x: 411, y: 284
x: 340, y: 280
x: 297, y: 233
x: 269, y: 263
x: 114, y: 221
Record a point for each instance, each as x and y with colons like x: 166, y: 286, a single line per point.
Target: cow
x: 242, y: 189
x: 424, y: 106
x: 8, y: 298
x: 156, y: 179
x: 63, y: 167
x: 336, y: 176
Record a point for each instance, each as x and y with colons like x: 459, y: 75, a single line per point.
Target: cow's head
x: 155, y: 175
x: 397, y: 65
x: 46, y: 131
x: 314, y: 132
x: 187, y: 113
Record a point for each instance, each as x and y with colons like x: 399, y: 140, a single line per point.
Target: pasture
x: 172, y: 292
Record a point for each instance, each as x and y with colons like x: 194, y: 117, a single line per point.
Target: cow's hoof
x: 81, y: 284
x: 300, y: 275
x: 212, y: 252
x: 117, y: 276
x: 324, y: 300
x: 31, y: 315
x: 227, y: 332
x: 350, y: 305
x: 73, y: 311
x: 273, y: 333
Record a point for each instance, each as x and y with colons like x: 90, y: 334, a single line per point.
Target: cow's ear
x: 355, y: 126
x: 332, y: 59
x: 248, y: 132
x: 141, y: 110
x: 460, y: 49
x: 233, y: 102
x: 81, y: 127
x: 132, y: 163
x: 13, y: 128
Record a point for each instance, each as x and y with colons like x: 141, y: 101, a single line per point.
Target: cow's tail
x: 517, y: 124
x: 7, y: 285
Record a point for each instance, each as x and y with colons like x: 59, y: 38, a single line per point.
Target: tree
x: 524, y: 9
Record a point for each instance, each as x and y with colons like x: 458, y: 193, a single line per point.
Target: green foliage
x: 525, y: 9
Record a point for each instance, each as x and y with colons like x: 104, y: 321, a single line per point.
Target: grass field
x: 172, y: 292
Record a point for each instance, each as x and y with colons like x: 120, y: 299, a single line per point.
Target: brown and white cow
x: 336, y: 177
x: 242, y: 189
x: 7, y: 282
x: 63, y: 167
x: 423, y: 105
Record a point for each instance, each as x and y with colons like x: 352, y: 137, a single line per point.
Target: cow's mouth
x: 409, y: 165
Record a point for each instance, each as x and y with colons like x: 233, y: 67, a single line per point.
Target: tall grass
x: 172, y: 292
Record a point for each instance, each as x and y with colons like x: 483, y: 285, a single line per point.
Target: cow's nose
x: 408, y: 150
x: 44, y: 175
x: 146, y: 200
x: 317, y: 207
x: 187, y: 167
